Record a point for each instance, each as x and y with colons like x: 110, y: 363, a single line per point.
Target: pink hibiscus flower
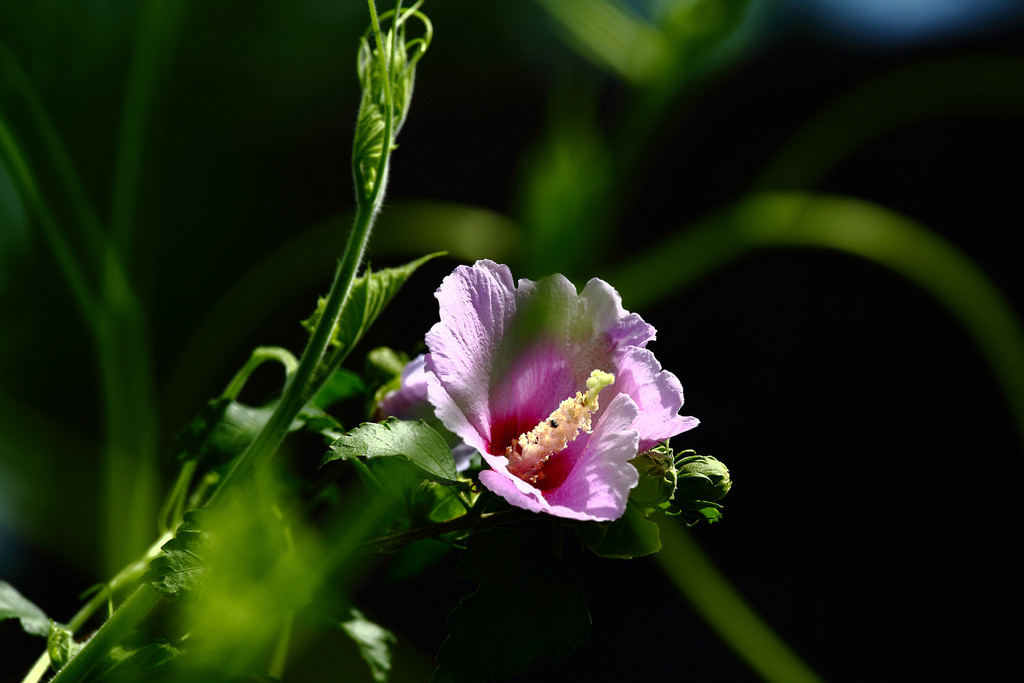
x: 554, y: 388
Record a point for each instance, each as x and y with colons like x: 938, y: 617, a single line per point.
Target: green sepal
x: 370, y: 294
x: 632, y: 535
x: 13, y: 605
x: 373, y: 641
x: 415, y: 442
x: 182, y: 565
x: 529, y: 602
x: 657, y: 471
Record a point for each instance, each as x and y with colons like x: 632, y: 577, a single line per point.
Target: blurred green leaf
x: 374, y: 643
x: 13, y: 605
x: 415, y: 442
x: 370, y: 294
x: 529, y: 602
x: 611, y: 35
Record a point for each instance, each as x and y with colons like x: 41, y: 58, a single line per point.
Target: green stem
x: 260, y: 355
x: 122, y: 622
x: 295, y: 393
x: 126, y: 374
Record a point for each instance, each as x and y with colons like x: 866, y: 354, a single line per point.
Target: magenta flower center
x: 529, y: 453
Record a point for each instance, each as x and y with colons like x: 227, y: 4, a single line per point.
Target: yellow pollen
x: 527, y: 454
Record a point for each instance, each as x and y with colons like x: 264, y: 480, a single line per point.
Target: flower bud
x: 702, y: 480
x: 657, y: 477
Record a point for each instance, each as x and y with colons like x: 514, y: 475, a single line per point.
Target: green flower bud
x: 657, y: 477
x: 702, y: 480
x: 387, y: 71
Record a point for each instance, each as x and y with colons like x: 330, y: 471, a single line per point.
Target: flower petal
x: 476, y: 305
x: 657, y: 393
x: 622, y: 327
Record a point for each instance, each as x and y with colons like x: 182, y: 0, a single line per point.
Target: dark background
x: 876, y: 463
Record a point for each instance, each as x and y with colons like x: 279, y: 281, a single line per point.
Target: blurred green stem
x: 725, y: 610
x: 24, y: 178
x: 158, y: 26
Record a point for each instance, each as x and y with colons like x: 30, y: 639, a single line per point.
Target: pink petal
x: 476, y: 305
x: 622, y: 327
x: 657, y: 393
x: 409, y: 401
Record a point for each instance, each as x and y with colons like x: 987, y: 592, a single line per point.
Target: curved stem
x: 260, y: 355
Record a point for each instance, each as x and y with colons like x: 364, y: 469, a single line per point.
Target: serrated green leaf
x: 374, y: 643
x: 370, y: 294
x: 180, y: 568
x: 415, y: 442
x: 529, y: 602
x: 13, y: 605
x: 632, y: 535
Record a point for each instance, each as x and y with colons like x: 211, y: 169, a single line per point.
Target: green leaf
x: 61, y: 646
x: 529, y: 602
x: 415, y: 442
x: 632, y: 535
x: 180, y: 569
x: 370, y: 294
x: 127, y: 663
x: 433, y: 503
x: 374, y: 643
x: 224, y: 428
x: 13, y: 605
x: 339, y: 386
